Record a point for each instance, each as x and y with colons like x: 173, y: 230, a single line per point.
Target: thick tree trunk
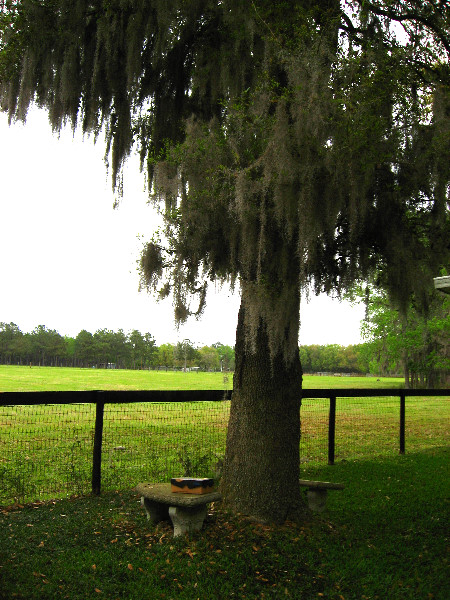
x: 261, y: 468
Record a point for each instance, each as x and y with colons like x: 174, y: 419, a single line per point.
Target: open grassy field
x: 26, y: 379
x: 46, y: 451
x: 384, y: 537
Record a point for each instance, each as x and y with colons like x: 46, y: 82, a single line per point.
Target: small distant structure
x: 442, y: 284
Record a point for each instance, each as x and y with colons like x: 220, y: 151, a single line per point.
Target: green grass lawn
x: 385, y: 536
x: 46, y: 451
x: 26, y: 379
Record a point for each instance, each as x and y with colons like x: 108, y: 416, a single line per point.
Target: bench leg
x: 156, y: 511
x: 187, y: 520
x: 317, y: 500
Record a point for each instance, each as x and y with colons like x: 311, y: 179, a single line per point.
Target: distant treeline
x: 333, y: 358
x: 106, y: 349
x: 134, y: 350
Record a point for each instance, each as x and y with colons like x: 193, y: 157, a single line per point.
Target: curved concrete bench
x: 186, y: 511
x: 317, y: 493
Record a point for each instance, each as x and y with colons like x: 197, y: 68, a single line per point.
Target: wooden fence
x: 102, y: 398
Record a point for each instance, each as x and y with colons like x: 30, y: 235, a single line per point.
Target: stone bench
x: 186, y: 511
x: 317, y: 493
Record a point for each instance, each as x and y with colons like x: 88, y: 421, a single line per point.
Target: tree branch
x: 431, y: 23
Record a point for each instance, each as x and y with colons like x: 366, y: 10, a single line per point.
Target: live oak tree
x: 285, y: 142
x: 415, y: 343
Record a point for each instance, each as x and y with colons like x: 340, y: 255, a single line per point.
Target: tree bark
x: 262, y: 464
x: 406, y: 373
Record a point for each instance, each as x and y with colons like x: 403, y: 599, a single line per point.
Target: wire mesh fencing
x: 157, y: 441
x: 45, y: 451
x: 372, y: 424
x: 314, y: 415
x: 367, y: 427
x: 364, y: 427
x: 50, y: 450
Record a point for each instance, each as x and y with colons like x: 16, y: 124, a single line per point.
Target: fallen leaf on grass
x: 41, y: 545
x: 130, y: 567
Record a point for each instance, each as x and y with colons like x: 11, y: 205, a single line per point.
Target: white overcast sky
x: 68, y: 260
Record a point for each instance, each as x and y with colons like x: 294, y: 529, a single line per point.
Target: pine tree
x: 285, y: 143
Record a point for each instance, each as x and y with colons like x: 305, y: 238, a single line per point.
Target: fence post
x: 97, y: 451
x: 402, y: 422
x: 331, y: 430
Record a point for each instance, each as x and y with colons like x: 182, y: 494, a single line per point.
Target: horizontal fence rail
x: 112, y: 397
x: 128, y: 396
x: 81, y: 441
